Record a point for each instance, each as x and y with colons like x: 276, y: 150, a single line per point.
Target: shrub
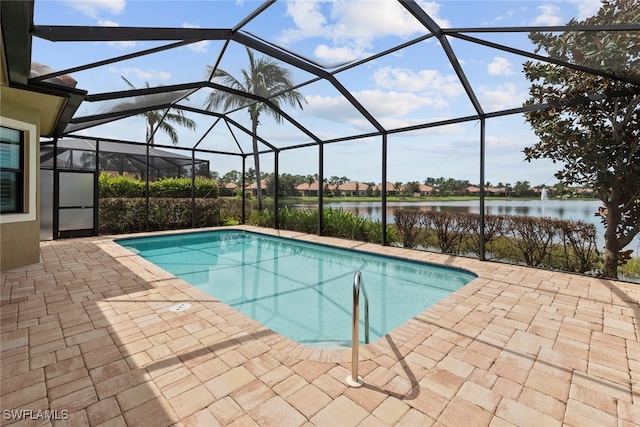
x: 533, y: 237
x: 449, y: 231
x: 123, y: 186
x: 171, y: 188
x: 409, y: 223
x: 127, y: 215
x: 580, y: 251
x: 120, y: 186
x: 337, y: 223
x: 545, y: 242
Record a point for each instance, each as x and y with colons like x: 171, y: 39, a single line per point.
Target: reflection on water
x: 577, y: 210
x: 562, y: 209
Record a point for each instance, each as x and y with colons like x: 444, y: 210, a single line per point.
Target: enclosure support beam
x: 244, y: 195
x: 193, y: 188
x: 96, y: 189
x: 384, y: 190
x: 482, y: 180
x: 320, y: 188
x: 276, y: 186
x: 146, y: 190
x: 56, y: 191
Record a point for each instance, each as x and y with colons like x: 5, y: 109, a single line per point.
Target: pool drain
x: 180, y: 307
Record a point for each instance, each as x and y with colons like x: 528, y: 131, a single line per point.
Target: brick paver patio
x: 87, y: 333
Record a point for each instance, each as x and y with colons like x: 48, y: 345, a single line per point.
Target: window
x: 11, y: 170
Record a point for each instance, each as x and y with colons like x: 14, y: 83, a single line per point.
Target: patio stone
x: 522, y: 415
x: 277, y: 412
x: 341, y: 411
x: 252, y: 394
x: 229, y: 381
x: 514, y: 347
x: 308, y: 400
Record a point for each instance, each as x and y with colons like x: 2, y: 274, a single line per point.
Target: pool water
x: 303, y: 291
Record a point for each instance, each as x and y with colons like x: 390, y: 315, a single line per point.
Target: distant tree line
x: 441, y: 186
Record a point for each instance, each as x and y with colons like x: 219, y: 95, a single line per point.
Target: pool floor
x: 301, y: 290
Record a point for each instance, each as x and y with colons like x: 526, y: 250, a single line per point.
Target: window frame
x: 30, y: 167
x: 18, y: 172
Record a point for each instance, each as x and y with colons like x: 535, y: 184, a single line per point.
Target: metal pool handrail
x: 354, y: 380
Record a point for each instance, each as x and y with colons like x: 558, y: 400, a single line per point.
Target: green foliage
x: 631, y: 269
x: 337, y: 223
x: 596, y: 142
x: 170, y: 187
x: 123, y: 186
x: 120, y: 186
x: 120, y: 215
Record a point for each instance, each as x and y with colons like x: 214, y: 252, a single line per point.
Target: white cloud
x: 586, y: 8
x: 423, y: 81
x: 507, y: 15
x: 334, y: 56
x: 509, y: 142
x: 388, y: 107
x: 395, y: 104
x: 331, y: 108
x: 142, y: 75
x: 107, y: 23
x: 500, y: 67
x: 350, y: 28
x: 549, y: 15
x: 199, y: 47
x: 501, y: 97
x: 93, y: 8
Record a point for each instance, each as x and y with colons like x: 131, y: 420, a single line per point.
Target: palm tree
x: 154, y: 117
x: 264, y: 78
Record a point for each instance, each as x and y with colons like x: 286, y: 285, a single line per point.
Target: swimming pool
x: 300, y: 290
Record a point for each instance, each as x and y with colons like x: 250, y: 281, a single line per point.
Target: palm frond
x: 170, y: 131
x: 156, y: 116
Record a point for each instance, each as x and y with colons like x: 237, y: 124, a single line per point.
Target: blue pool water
x: 302, y: 291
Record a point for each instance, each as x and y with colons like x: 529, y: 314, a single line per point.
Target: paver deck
x: 88, y: 333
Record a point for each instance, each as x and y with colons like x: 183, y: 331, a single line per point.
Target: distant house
x: 424, y: 190
x: 585, y: 192
x: 389, y: 188
x: 495, y: 191
x: 353, y: 188
x: 253, y: 188
x: 473, y: 190
x: 228, y: 188
x: 489, y: 191
x: 309, y: 190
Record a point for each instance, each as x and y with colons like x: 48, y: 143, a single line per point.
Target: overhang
x: 56, y: 103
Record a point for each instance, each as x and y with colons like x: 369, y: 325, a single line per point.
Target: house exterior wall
x: 20, y: 232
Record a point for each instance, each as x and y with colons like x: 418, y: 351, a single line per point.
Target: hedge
x: 117, y: 215
x: 123, y: 186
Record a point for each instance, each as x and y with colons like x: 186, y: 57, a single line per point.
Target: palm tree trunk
x: 256, y: 158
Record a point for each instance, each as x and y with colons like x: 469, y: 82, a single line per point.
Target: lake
x: 578, y: 210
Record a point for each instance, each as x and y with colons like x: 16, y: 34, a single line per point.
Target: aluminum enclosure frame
x: 179, y: 37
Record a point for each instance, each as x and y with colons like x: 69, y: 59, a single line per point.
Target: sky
x: 412, y: 86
